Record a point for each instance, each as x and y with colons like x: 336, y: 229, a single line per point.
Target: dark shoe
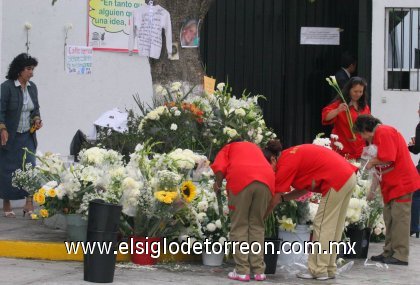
x: 379, y: 258
x: 394, y: 261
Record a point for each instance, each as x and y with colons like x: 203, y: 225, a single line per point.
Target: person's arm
x: 375, y: 161
x: 218, y: 181
x: 4, y: 95
x: 35, y: 114
x: 281, y: 197
x: 334, y: 113
x: 414, y: 146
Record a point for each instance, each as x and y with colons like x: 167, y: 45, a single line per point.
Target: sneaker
x: 239, y: 277
x: 260, y: 277
x: 379, y: 258
x: 394, y: 261
x: 307, y: 275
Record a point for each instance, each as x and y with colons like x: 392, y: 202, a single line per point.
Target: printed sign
x: 319, y: 36
x: 108, y: 27
x: 209, y: 84
x: 79, y: 60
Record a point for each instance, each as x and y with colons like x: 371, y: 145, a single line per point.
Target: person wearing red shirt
x: 335, y: 114
x: 250, y: 186
x: 318, y: 169
x: 398, y: 179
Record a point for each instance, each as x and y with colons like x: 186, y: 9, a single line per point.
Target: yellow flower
x: 287, y: 224
x: 42, y: 191
x: 166, y: 197
x: 43, y: 213
x: 34, y: 216
x: 188, y: 190
x: 39, y: 198
x: 52, y: 193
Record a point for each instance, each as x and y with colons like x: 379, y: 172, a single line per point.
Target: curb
x: 56, y: 251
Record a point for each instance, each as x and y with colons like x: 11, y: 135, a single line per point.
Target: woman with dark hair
x: 314, y: 168
x: 19, y: 118
x: 355, y: 96
x: 398, y: 179
x: 250, y: 186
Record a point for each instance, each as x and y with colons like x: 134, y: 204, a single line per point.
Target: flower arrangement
x: 162, y: 206
x: 301, y: 211
x: 201, y: 123
x: 101, y: 174
x: 331, y: 143
x: 207, y: 221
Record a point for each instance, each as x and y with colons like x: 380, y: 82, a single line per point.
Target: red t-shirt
x: 351, y: 148
x: 313, y: 168
x: 241, y: 164
x: 400, y: 176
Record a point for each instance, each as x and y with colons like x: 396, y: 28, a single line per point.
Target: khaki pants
x: 397, y: 215
x: 328, y: 226
x: 247, y: 225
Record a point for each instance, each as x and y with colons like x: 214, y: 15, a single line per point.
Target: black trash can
x: 361, y: 237
x: 270, y: 257
x: 103, y: 223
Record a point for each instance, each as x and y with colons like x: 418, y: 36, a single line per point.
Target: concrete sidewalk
x: 20, y: 271
x: 24, y: 271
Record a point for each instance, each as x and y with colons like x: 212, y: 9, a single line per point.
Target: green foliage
x: 271, y: 226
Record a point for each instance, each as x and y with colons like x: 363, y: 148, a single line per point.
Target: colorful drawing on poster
x: 108, y: 23
x: 189, y: 34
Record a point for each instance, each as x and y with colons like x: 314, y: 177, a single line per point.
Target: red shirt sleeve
x: 328, y: 109
x: 387, y: 145
x: 221, y: 161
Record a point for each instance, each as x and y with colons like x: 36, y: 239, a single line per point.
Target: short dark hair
x: 363, y: 100
x: 273, y: 148
x: 365, y: 123
x: 347, y: 59
x: 18, y: 64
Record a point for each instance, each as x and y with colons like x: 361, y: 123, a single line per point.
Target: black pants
x: 415, y: 212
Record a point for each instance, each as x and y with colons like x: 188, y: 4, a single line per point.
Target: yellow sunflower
x: 188, y: 190
x: 166, y: 197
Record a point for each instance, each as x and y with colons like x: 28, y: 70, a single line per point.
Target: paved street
x: 14, y: 271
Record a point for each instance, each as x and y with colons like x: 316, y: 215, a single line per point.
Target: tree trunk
x: 189, y: 67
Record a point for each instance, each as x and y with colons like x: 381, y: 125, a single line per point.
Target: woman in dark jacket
x: 19, y: 119
x: 414, y: 147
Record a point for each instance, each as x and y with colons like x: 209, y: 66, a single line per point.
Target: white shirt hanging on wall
x: 146, y: 24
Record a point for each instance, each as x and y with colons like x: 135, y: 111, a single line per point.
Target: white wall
x: 400, y: 109
x: 68, y: 102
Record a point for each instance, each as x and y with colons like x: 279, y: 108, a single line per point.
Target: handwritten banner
x: 109, y: 23
x: 79, y: 60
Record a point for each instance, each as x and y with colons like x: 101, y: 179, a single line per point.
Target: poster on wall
x: 189, y: 33
x: 79, y: 60
x: 108, y: 23
x: 319, y: 36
